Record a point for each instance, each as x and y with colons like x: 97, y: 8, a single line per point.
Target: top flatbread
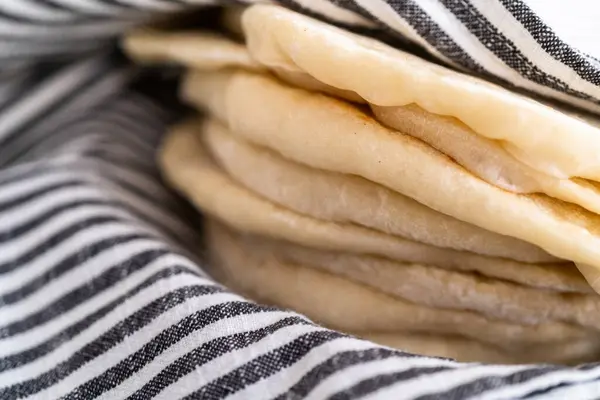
x: 486, y: 158
x: 540, y: 136
x: 329, y: 134
x: 482, y: 156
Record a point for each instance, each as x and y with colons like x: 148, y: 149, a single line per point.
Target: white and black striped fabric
x: 102, y: 291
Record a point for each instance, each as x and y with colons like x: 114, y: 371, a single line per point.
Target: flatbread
x: 484, y: 157
x: 547, y: 139
x: 439, y: 288
x: 350, y: 307
x: 195, y: 49
x: 343, y: 198
x: 188, y: 168
x: 329, y: 134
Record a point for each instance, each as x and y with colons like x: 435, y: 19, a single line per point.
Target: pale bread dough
x: 185, y: 163
x: 345, y: 198
x: 195, y: 49
x: 436, y: 287
x: 538, y: 135
x: 329, y: 134
x: 484, y: 157
x: 341, y: 304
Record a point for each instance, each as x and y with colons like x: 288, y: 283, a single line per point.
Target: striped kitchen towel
x: 102, y: 290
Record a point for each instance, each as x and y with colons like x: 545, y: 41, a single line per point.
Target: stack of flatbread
x: 385, y: 196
